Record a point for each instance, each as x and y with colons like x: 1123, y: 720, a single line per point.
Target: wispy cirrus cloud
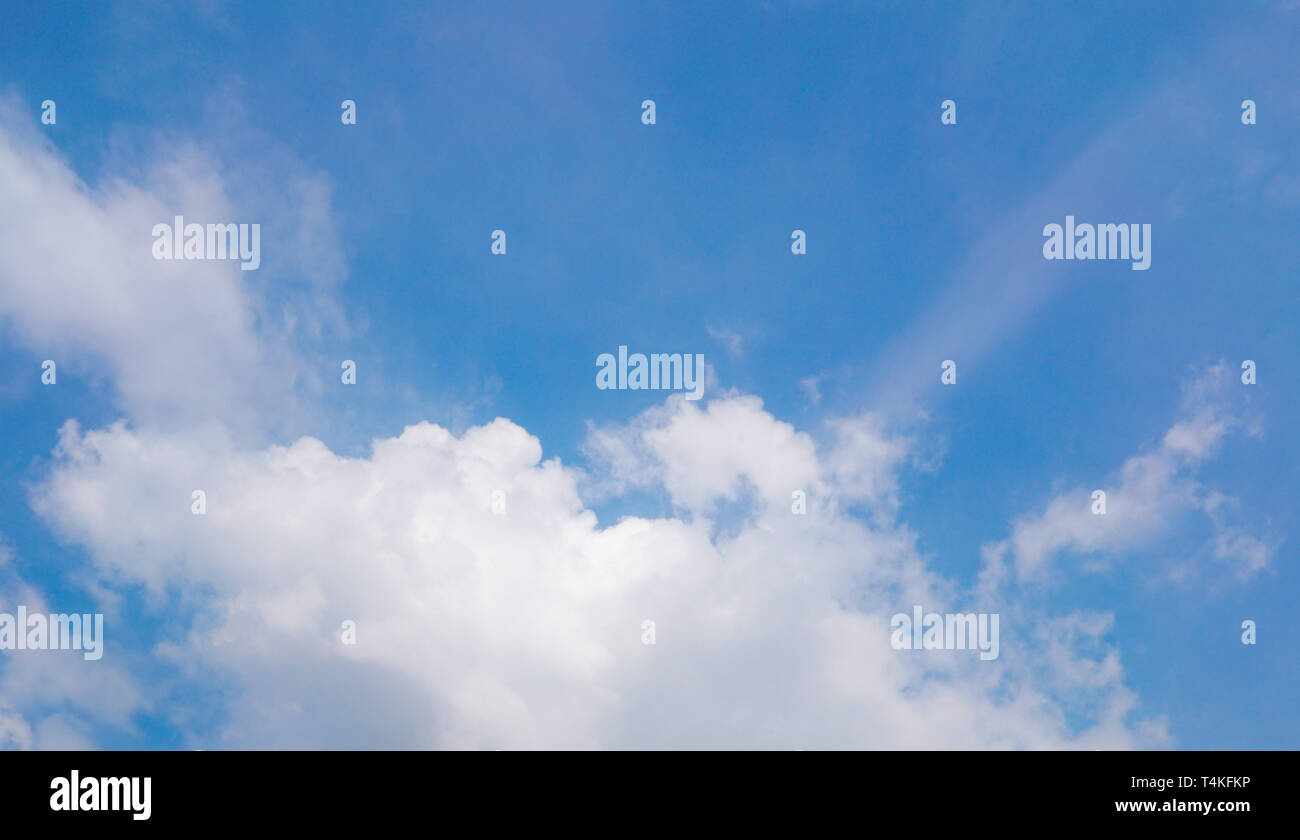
x: 1149, y: 496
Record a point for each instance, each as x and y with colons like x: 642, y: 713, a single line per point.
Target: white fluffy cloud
x: 524, y: 629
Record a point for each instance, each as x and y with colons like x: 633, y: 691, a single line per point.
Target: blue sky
x: 924, y: 244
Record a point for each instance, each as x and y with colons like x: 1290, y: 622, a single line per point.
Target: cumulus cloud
x: 524, y: 629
